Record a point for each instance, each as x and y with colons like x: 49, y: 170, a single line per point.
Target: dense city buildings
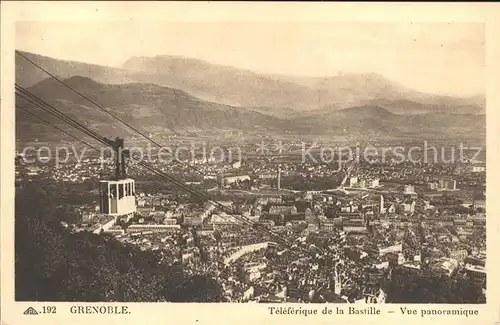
x: 281, y: 231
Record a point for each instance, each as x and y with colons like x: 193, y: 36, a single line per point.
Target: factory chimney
x: 278, y: 178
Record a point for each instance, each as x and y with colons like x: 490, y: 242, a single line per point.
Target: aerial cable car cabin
x: 117, y: 195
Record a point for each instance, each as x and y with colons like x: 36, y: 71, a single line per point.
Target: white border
x: 11, y: 312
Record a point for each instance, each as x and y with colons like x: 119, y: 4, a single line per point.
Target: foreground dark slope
x: 52, y: 264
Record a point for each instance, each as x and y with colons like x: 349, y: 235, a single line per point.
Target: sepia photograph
x: 250, y: 162
x: 296, y: 163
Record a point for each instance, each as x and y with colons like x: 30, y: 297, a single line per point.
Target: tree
x: 406, y: 287
x: 217, y: 235
x: 196, y: 289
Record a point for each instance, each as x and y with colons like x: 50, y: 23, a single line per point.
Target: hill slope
x: 28, y: 75
x: 223, y: 84
x: 149, y: 107
x: 378, y: 121
x: 436, y: 105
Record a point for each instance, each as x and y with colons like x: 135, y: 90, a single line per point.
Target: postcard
x: 249, y: 162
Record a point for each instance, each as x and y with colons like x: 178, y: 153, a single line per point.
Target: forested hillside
x: 51, y: 264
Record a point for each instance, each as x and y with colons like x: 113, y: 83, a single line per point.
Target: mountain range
x: 175, y: 94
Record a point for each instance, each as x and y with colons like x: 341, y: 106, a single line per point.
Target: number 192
x: 49, y: 309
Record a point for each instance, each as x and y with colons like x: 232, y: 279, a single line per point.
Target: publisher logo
x: 30, y: 311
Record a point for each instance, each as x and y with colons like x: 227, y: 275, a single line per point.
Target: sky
x: 441, y: 58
